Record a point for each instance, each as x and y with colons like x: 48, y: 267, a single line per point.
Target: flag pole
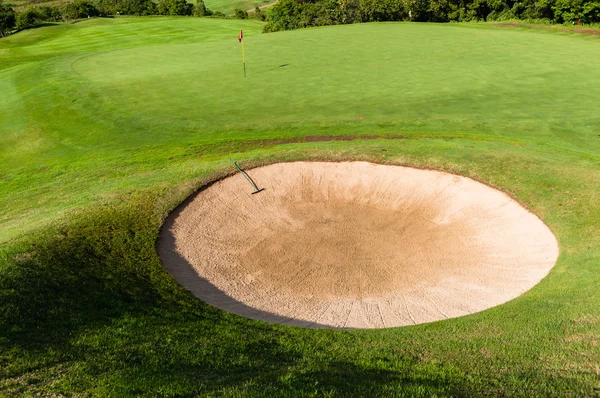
x: 243, y: 57
x: 241, y: 40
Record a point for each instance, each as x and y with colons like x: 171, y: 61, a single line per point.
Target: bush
x: 8, y: 19
x: 126, y: 7
x: 80, y: 9
x: 174, y: 7
x: 383, y: 10
x: 27, y: 19
x: 258, y: 14
x: 349, y: 11
x: 591, y: 12
x: 200, y: 9
x: 49, y: 14
x: 241, y: 14
x: 568, y: 10
x: 285, y: 15
x: 293, y: 14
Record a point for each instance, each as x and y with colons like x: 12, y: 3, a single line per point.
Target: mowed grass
x: 107, y: 124
x: 229, y: 6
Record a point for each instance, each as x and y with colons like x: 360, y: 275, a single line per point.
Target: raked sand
x: 354, y: 245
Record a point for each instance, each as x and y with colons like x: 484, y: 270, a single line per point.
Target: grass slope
x: 229, y: 6
x: 107, y: 124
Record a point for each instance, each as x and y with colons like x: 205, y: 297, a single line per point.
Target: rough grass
x: 108, y: 124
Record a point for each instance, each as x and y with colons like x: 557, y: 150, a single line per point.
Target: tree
x: 80, y: 9
x: 258, y: 14
x: 200, y: 9
x: 27, y: 19
x: 7, y: 19
x: 591, y: 12
x: 284, y: 15
x: 126, y: 7
x: 49, y: 14
x: 174, y: 7
x: 241, y: 14
x: 385, y: 10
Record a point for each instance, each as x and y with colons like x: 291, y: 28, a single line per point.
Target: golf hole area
x: 354, y: 245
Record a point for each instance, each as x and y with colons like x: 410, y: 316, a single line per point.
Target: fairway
x: 107, y: 125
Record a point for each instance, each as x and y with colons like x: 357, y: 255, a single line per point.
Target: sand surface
x: 354, y: 245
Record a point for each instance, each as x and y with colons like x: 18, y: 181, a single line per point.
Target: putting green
x: 110, y: 85
x: 106, y: 125
x: 397, y: 74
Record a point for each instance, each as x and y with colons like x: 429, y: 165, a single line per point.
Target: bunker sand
x: 354, y: 245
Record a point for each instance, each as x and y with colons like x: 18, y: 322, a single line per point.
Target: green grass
x: 107, y: 124
x: 229, y: 6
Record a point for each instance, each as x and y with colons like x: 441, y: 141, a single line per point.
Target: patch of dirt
x: 590, y: 338
x: 227, y: 147
x: 354, y: 245
x: 323, y: 138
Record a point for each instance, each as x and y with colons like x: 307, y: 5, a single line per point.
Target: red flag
x: 240, y: 36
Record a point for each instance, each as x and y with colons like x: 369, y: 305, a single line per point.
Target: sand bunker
x: 354, y: 245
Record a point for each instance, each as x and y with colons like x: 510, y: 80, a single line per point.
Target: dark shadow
x: 39, y: 25
x: 346, y: 377
x: 44, y: 24
x: 76, y: 278
x: 265, y: 70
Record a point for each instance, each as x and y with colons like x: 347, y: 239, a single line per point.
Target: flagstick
x: 243, y: 57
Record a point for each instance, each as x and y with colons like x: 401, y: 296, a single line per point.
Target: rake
x: 256, y: 190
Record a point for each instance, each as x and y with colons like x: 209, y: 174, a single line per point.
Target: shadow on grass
x: 91, y: 308
x: 270, y: 69
x: 83, y: 275
x: 406, y: 377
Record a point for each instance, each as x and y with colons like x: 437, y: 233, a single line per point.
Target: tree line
x: 294, y: 14
x: 11, y: 21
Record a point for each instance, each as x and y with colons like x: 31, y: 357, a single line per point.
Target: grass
x: 107, y: 124
x: 229, y: 6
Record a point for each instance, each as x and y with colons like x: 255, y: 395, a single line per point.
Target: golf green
x: 107, y: 124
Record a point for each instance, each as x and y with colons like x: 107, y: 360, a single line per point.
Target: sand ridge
x: 354, y: 245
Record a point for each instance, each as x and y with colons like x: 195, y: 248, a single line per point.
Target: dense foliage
x: 11, y: 21
x: 174, y: 7
x: 80, y: 9
x: 7, y: 19
x: 126, y: 7
x: 200, y: 9
x: 293, y: 14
